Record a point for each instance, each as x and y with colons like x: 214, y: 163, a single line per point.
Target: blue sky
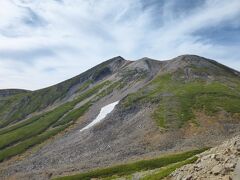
x: 45, y: 42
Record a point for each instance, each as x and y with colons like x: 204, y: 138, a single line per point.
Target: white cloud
x: 45, y: 42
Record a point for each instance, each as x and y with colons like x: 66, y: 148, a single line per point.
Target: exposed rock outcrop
x: 221, y: 162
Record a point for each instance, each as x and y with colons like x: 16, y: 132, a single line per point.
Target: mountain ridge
x: 146, y: 59
x: 165, y: 106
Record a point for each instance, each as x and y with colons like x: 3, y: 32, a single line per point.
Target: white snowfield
x: 103, y: 113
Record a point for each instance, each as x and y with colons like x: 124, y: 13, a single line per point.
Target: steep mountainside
x: 221, y: 162
x: 21, y: 105
x: 164, y: 106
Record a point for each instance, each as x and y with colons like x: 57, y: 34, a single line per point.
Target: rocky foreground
x: 221, y: 162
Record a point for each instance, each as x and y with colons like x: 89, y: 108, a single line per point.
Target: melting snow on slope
x: 103, y: 113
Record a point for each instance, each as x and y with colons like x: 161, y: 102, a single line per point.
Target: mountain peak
x: 147, y: 59
x: 190, y: 58
x: 117, y: 58
x: 144, y: 58
x: 115, y: 61
x: 201, y: 63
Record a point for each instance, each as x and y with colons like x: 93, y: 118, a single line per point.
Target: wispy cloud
x: 45, y: 42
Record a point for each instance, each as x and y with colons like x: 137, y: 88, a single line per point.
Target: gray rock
x: 218, y: 157
x: 217, y: 169
x: 230, y: 166
x: 238, y: 148
x: 189, y: 177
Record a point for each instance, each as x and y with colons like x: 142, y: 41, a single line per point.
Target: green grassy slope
x: 26, y: 144
x: 126, y: 169
x: 21, y: 136
x: 25, y: 104
x: 34, y: 128
x: 178, y: 98
x: 19, y: 125
x: 167, y: 170
x: 18, y: 106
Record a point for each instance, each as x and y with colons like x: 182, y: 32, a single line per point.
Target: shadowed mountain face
x: 164, y: 106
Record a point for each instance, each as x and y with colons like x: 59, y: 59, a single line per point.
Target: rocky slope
x: 221, y: 162
x: 164, y: 106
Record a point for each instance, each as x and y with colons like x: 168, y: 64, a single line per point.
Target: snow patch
x: 103, y: 113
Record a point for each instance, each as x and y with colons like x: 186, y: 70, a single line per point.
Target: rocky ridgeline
x: 221, y: 162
